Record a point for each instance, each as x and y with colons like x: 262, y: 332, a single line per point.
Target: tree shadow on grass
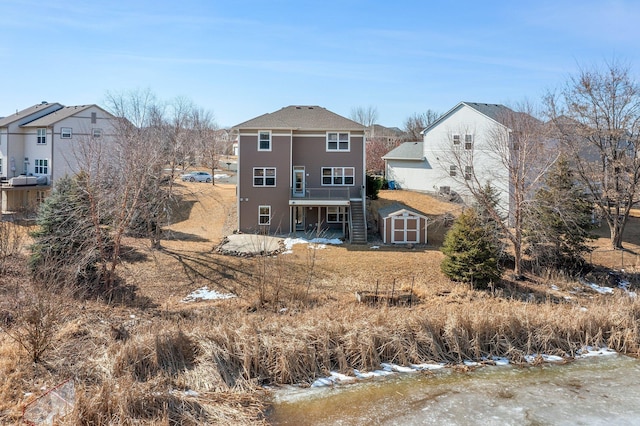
x: 183, y: 236
x: 216, y: 269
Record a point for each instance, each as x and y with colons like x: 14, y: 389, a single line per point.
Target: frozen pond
x: 593, y: 391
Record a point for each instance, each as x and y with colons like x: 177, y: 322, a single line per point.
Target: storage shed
x: 400, y: 224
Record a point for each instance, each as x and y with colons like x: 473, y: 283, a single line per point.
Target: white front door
x: 298, y: 181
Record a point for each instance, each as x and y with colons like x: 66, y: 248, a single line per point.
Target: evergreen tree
x: 492, y: 196
x: 471, y: 253
x: 65, y: 250
x: 559, y: 223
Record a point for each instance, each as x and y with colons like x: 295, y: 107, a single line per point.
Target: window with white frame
x: 468, y: 141
x: 456, y: 139
x: 40, y: 196
x: 264, y: 215
x: 453, y: 170
x: 336, y: 214
x: 335, y: 176
x: 41, y: 166
x: 264, y: 141
x: 66, y: 132
x: 42, y: 136
x: 338, y: 141
x: 264, y: 176
x: 468, y: 171
x: 96, y: 133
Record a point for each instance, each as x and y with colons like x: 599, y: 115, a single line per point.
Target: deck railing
x: 322, y: 194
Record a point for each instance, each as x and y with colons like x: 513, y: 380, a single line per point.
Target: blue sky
x: 241, y: 59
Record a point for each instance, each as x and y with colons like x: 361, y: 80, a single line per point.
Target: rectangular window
x: 456, y: 139
x: 468, y: 171
x: 0, y: 166
x: 338, y: 176
x: 338, y: 141
x: 40, y: 196
x: 41, y: 167
x: 94, y: 118
x: 66, y: 132
x: 264, y: 141
x: 468, y: 141
x: 96, y: 133
x: 452, y: 170
x: 42, y: 136
x: 264, y: 215
x: 264, y: 176
x: 336, y: 214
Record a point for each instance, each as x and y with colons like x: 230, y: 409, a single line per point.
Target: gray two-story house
x: 302, y: 169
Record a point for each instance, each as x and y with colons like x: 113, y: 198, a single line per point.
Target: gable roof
x: 25, y: 113
x: 406, y: 151
x: 397, y: 207
x: 301, y: 117
x: 58, y: 115
x: 496, y: 112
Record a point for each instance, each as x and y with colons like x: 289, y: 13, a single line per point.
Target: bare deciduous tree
x: 209, y: 145
x: 367, y: 116
x: 513, y: 158
x: 417, y: 122
x: 596, y: 118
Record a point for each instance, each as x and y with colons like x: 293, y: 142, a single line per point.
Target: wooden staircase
x: 358, y: 233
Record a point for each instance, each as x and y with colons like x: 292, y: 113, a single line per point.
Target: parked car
x: 197, y: 177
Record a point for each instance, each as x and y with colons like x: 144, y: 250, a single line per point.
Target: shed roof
x: 406, y: 151
x: 301, y: 117
x: 396, y: 207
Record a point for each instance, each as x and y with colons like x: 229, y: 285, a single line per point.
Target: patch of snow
x: 375, y: 247
x: 590, y: 351
x: 220, y: 176
x: 470, y: 363
x: 318, y: 243
x: 599, y: 289
x: 427, y: 366
x: 554, y: 287
x: 190, y: 392
x: 397, y: 368
x: 341, y: 378
x: 205, y: 294
x: 546, y: 358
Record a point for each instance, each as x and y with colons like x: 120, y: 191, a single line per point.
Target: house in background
x: 37, y: 147
x: 302, y: 168
x: 428, y: 165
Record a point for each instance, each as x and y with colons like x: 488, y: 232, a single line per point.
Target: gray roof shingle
x: 392, y: 208
x: 406, y: 151
x: 301, y: 117
x: 26, y: 112
x: 54, y: 117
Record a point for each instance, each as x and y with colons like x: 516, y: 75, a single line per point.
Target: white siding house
x: 38, y: 146
x: 464, y: 130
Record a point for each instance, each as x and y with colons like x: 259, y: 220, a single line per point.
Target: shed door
x: 405, y: 229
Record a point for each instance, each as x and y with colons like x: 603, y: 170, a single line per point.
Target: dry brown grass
x: 135, y: 361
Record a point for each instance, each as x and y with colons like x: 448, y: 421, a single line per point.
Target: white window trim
x: 261, y: 215
x: 261, y: 132
x: 41, y: 133
x: 470, y: 141
x: 42, y: 164
x: 96, y: 133
x: 333, y: 176
x: 337, y: 149
x: 264, y: 177
x: 456, y: 139
x: 453, y: 170
x: 339, y: 211
x: 468, y: 172
x: 66, y: 132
